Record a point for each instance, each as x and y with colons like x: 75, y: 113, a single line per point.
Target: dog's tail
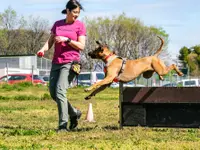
x: 160, y: 48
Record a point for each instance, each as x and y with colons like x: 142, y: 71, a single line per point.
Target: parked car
x: 4, y: 79
x: 188, y: 83
x: 114, y: 85
x: 170, y: 85
x: 45, y: 78
x: 128, y: 84
x: 16, y: 78
x: 89, y: 78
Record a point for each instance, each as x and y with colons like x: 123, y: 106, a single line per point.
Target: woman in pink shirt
x: 68, y: 36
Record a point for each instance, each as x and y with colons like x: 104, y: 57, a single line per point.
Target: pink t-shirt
x: 63, y: 53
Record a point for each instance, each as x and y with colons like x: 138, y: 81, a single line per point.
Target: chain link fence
x: 170, y: 80
x: 41, y: 66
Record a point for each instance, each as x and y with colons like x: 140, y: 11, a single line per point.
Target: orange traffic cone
x: 90, y: 115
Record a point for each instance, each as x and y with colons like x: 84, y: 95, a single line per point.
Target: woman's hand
x: 40, y: 53
x: 59, y: 39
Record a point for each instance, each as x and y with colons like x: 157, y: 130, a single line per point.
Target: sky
x: 179, y: 18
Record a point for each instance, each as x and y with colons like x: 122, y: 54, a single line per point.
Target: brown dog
x: 127, y: 70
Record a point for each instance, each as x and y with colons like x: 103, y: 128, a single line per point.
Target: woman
x: 68, y: 36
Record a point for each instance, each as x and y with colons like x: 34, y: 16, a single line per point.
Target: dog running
x: 125, y: 70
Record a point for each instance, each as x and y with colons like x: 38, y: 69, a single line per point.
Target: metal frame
x: 120, y: 104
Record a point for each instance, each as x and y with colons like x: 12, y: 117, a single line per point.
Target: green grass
x: 30, y: 124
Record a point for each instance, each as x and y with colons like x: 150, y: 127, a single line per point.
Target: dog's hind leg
x: 166, y: 70
x: 177, y: 70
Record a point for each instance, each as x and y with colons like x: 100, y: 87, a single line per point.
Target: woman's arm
x: 49, y: 43
x: 80, y: 44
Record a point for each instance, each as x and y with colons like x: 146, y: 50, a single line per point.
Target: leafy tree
x: 127, y: 37
x: 190, y: 57
x: 183, y: 55
x: 36, y: 34
x: 20, y: 36
x: 197, y: 51
x: 8, y: 22
x: 193, y: 64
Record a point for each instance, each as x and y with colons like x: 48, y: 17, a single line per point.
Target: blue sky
x: 179, y: 18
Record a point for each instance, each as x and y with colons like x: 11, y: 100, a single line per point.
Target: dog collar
x: 106, y: 58
x: 108, y: 61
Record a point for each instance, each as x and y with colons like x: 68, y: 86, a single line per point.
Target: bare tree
x: 9, y: 23
x: 128, y: 37
x: 36, y: 34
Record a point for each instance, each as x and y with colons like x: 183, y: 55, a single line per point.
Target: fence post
x: 46, y: 66
x: 32, y: 71
x: 120, y: 104
x: 7, y: 72
x: 188, y: 73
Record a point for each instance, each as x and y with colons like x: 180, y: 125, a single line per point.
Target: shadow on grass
x: 83, y: 129
x: 22, y: 130
x: 9, y: 127
x: 112, y: 128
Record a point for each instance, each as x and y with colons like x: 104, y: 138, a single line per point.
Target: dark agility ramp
x: 160, y: 106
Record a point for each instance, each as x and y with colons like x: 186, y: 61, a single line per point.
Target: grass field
x: 28, y: 119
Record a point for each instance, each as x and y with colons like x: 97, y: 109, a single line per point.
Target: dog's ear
x: 106, y: 45
x: 98, y: 43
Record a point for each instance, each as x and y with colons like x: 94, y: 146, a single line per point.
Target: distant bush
x: 39, y: 85
x: 17, y: 87
x: 26, y: 97
x: 8, y: 87
x: 25, y: 132
x: 45, y: 96
x: 24, y: 84
x: 4, y: 98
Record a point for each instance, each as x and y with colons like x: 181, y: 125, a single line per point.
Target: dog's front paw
x: 87, y: 89
x: 88, y: 97
x: 180, y: 74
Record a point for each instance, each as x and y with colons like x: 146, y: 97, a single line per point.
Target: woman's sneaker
x: 62, y: 128
x: 74, y: 120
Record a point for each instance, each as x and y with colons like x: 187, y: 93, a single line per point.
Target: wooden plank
x: 160, y: 106
x: 161, y: 94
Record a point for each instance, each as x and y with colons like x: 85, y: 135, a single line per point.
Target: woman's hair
x: 72, y: 4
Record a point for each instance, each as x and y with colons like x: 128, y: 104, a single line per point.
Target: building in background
x: 24, y: 64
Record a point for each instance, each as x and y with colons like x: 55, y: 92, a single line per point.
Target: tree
x: 35, y: 34
x: 8, y: 24
x: 20, y: 36
x: 197, y: 51
x: 128, y: 37
x: 190, y: 57
x: 183, y: 55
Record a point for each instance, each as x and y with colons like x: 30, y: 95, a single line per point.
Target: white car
x: 129, y: 84
x: 114, y: 85
x: 189, y: 83
x: 89, y: 78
